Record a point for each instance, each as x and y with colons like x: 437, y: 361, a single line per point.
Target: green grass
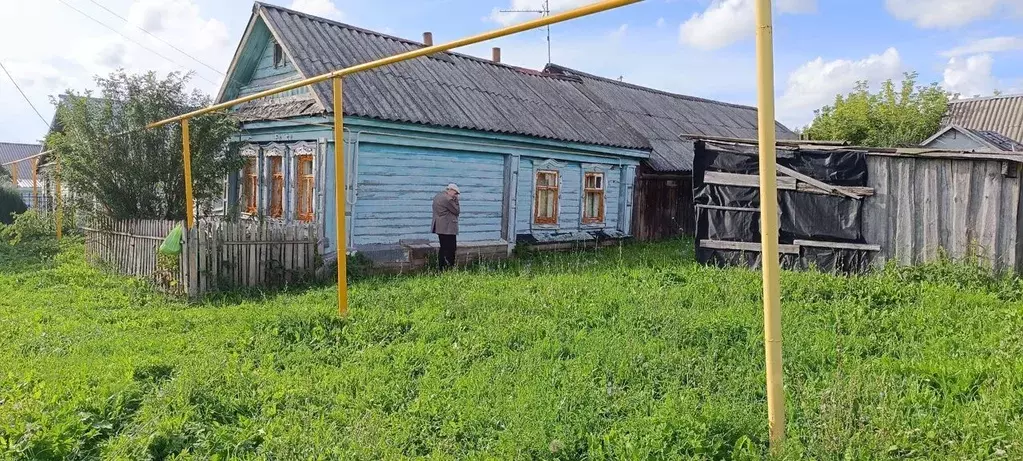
x: 628, y: 353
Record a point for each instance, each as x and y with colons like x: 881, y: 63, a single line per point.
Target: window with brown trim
x: 276, y: 187
x: 250, y: 185
x: 546, y: 206
x: 306, y: 182
x: 593, y: 198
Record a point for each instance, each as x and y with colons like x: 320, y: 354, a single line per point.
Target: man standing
x: 445, y: 224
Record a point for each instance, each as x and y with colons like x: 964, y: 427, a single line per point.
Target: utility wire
x: 97, y: 21
x: 23, y: 95
x: 179, y: 50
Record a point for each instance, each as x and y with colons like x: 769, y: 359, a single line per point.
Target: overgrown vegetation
x: 134, y: 172
x: 895, y: 116
x: 626, y: 353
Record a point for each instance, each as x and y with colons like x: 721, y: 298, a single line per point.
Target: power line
x: 97, y: 21
x: 23, y: 95
x: 179, y: 50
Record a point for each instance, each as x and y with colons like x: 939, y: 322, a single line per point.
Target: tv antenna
x: 543, y: 11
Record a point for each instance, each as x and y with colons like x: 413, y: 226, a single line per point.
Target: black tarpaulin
x: 730, y: 213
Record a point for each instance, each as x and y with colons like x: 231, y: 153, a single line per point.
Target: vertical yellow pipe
x: 14, y: 175
x: 769, y: 225
x: 340, y: 180
x: 60, y: 203
x: 186, y: 156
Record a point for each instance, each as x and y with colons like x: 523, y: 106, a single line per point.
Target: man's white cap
x: 454, y: 187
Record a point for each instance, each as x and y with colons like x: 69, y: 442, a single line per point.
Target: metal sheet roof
x: 1001, y: 114
x: 998, y: 141
x: 661, y: 117
x: 10, y: 151
x: 447, y: 89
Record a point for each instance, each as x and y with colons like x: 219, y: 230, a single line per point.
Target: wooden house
x: 541, y: 157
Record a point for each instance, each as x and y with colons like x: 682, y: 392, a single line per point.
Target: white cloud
x: 660, y: 22
x: 322, y: 8
x: 49, y: 64
x: 529, y: 6
x: 816, y: 83
x: 727, y: 21
x: 986, y: 45
x: 970, y: 76
x: 948, y: 13
x: 620, y: 32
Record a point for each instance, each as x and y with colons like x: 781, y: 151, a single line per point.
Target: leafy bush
x: 30, y: 225
x: 11, y: 204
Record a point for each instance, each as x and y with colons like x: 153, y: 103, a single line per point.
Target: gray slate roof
x: 1000, y: 114
x: 447, y: 89
x: 10, y: 151
x: 461, y: 91
x: 661, y: 117
x: 997, y: 140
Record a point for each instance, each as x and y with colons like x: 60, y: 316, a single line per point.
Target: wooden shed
x: 909, y: 205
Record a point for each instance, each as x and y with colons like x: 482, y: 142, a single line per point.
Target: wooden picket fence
x: 216, y: 255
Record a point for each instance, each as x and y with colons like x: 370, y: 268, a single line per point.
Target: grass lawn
x: 628, y: 353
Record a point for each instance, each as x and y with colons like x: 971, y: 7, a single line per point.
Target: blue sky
x: 698, y: 47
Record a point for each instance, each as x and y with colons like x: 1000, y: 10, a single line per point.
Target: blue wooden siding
x: 397, y: 185
x: 570, y: 196
x: 265, y: 76
x: 524, y: 215
x: 398, y: 169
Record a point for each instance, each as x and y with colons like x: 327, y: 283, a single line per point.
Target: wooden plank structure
x: 663, y: 205
x: 216, y: 255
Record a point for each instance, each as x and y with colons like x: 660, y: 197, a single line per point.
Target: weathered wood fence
x: 216, y: 255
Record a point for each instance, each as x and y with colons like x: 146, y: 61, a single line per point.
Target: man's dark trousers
x: 448, y: 246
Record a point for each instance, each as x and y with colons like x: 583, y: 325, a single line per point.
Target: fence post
x: 191, y: 256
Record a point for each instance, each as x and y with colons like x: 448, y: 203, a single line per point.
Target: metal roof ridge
x: 648, y: 89
x: 986, y: 98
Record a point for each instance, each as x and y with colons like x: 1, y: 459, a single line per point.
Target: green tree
x: 109, y: 156
x: 894, y: 116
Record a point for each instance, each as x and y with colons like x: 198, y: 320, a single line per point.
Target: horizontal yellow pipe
x: 30, y: 157
x: 540, y: 22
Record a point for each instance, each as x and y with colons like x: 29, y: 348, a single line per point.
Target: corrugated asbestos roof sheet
x: 455, y: 90
x: 10, y: 151
x: 1001, y: 114
x: 997, y: 140
x: 661, y: 117
x: 447, y: 89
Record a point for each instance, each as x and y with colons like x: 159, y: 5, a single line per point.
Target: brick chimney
x: 428, y: 38
x: 497, y: 54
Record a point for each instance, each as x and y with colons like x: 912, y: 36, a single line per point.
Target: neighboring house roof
x: 1001, y: 114
x: 461, y: 91
x: 10, y: 151
x: 988, y: 139
x: 661, y: 117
